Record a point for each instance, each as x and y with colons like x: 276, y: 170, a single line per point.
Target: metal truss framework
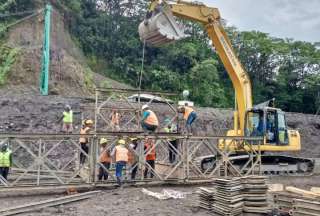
x: 111, y: 99
x: 53, y: 159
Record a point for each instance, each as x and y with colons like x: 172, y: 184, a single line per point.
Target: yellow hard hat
x: 103, y: 141
x: 89, y: 121
x: 121, y: 142
x: 133, y: 138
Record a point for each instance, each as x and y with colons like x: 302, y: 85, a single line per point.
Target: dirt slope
x: 69, y: 73
x: 27, y: 113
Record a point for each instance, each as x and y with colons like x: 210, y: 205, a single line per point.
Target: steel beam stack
x: 304, y: 207
x: 206, y: 197
x: 296, y: 204
x: 255, y: 194
x: 284, y: 201
x: 228, y: 199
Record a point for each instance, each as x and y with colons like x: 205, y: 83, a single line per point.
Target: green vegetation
x: 107, y: 32
x: 88, y: 79
x: 7, y: 58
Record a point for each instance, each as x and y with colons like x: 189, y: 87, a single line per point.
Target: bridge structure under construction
x: 54, y: 159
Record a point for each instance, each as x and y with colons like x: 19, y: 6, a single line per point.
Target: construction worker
x: 149, y: 120
x: 150, y: 151
x: 189, y: 115
x: 67, y: 119
x: 121, y: 156
x: 5, y: 161
x: 115, y: 120
x: 104, y: 159
x: 85, y: 129
x: 173, y: 142
x: 132, y: 157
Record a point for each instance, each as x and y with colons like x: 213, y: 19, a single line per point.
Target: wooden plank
x: 302, y: 192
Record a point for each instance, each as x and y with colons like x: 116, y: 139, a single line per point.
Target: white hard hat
x: 145, y: 107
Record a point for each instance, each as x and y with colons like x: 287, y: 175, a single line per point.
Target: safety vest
x: 68, y: 117
x: 131, y: 157
x: 121, y: 153
x: 187, y: 112
x: 83, y: 131
x: 5, y: 159
x: 167, y: 130
x: 104, y: 156
x: 152, y: 154
x: 152, y: 119
x: 115, y: 118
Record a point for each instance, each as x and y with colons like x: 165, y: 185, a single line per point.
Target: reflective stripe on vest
x: 187, y: 112
x: 67, y: 117
x: 121, y: 154
x: 152, y: 118
x: 5, y: 159
x: 83, y: 131
x: 152, y: 153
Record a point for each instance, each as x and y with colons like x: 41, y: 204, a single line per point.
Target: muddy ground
x: 131, y: 201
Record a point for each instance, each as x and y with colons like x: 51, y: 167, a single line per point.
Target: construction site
x: 70, y: 144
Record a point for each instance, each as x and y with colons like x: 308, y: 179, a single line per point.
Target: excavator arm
x: 154, y: 33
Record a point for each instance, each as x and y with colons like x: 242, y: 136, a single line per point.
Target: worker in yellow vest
x: 121, y: 156
x: 5, y: 161
x: 67, y: 119
x: 172, y: 142
x: 83, y: 140
x: 149, y: 120
x: 189, y: 115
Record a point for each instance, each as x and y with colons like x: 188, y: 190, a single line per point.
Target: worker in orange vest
x: 121, y: 156
x: 189, y: 115
x: 149, y: 120
x: 85, y: 129
x: 133, y: 158
x: 115, y: 120
x: 150, y: 151
x: 104, y: 160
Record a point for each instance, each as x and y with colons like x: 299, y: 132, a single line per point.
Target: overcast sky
x: 298, y: 19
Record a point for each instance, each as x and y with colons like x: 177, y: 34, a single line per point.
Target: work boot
x: 119, y: 181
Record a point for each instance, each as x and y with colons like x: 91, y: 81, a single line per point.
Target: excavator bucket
x: 160, y: 29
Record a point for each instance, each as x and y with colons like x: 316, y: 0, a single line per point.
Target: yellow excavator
x: 263, y: 120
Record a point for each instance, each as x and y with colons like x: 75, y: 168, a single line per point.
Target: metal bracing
x: 53, y: 159
x: 118, y: 100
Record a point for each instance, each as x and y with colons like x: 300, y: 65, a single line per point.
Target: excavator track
x: 280, y: 165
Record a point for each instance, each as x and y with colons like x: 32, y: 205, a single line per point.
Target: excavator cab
x: 269, y: 123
